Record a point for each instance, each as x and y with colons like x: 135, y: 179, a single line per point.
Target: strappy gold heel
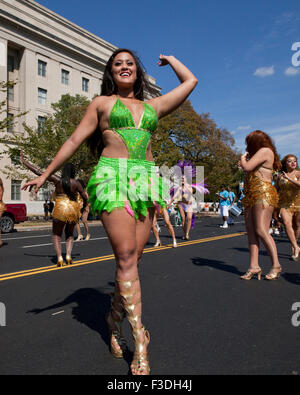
x: 249, y: 274
x: 140, y: 362
x: 273, y: 274
x: 158, y: 244
x: 117, y: 341
x: 69, y: 260
x: 60, y: 261
x: 80, y: 237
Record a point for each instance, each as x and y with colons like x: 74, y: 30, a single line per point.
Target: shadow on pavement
x: 91, y: 309
x: 220, y: 265
x: 293, y: 278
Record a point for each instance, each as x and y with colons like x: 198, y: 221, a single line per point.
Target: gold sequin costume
x: 258, y: 191
x: 2, y: 208
x: 66, y: 210
x: 289, y: 196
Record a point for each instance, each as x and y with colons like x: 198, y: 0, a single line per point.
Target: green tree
x: 185, y: 134
x: 6, y: 121
x: 40, y: 144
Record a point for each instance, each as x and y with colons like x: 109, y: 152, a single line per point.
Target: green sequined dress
x: 131, y: 183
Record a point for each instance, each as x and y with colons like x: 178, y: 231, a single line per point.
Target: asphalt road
x: 202, y: 318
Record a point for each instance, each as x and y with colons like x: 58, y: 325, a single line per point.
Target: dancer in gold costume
x: 2, y: 206
x: 259, y: 162
x: 289, y: 201
x: 66, y: 211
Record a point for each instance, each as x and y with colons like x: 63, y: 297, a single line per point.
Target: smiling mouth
x: 125, y: 74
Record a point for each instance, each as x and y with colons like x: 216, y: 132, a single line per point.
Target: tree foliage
x: 6, y: 122
x: 185, y: 134
x: 40, y: 145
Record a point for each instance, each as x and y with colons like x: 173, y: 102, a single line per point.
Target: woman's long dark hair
x: 68, y: 172
x: 109, y: 88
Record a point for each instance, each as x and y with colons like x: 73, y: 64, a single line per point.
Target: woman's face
x: 291, y: 163
x: 124, y: 70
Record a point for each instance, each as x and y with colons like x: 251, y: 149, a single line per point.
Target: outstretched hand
x: 37, y: 182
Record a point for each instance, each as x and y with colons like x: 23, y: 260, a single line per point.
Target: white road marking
x: 58, y: 312
x: 63, y: 242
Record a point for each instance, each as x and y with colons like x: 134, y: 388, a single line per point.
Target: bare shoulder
x: 102, y: 102
x: 298, y: 174
x: 266, y: 153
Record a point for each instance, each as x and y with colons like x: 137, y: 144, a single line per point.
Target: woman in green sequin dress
x: 124, y: 186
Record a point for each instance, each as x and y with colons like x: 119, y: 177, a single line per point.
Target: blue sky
x: 240, y: 52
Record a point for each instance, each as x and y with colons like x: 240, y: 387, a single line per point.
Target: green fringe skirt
x: 133, y: 184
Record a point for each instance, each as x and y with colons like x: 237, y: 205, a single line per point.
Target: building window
x: 42, y: 68
x: 41, y: 123
x: 15, y: 160
x: 42, y: 96
x: 65, y: 77
x: 85, y: 84
x: 15, y: 190
x: 10, y: 123
x: 10, y: 93
x: 10, y: 63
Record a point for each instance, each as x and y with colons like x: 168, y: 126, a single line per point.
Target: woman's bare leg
x: 262, y: 217
x: 188, y: 222
x: 154, y: 228
x: 69, y: 230
x: 57, y: 231
x: 253, y: 241
x: 121, y: 229
x: 78, y: 230
x: 297, y: 225
x: 182, y: 214
x: 84, y: 220
x: 288, y: 223
x: 168, y: 224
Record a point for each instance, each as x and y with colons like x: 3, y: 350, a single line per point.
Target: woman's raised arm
x: 168, y: 102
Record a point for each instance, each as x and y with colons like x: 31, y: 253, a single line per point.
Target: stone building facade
x: 47, y: 56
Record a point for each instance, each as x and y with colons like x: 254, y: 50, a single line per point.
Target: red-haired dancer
x: 259, y: 163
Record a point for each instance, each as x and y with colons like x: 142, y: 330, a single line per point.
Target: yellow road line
x: 45, y: 269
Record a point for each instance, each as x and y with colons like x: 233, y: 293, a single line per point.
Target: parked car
x: 14, y: 214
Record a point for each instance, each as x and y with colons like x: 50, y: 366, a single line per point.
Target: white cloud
x: 290, y: 71
x: 264, y: 71
x: 286, y: 138
x: 244, y: 127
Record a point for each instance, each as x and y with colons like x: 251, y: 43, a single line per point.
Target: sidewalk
x: 36, y: 225
x: 42, y: 224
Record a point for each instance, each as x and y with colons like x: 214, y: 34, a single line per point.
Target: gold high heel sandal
x: 140, y: 362
x: 80, y: 237
x: 249, y: 274
x: 117, y: 341
x: 157, y: 244
x: 60, y: 261
x: 273, y: 274
x: 69, y: 260
x: 88, y: 236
